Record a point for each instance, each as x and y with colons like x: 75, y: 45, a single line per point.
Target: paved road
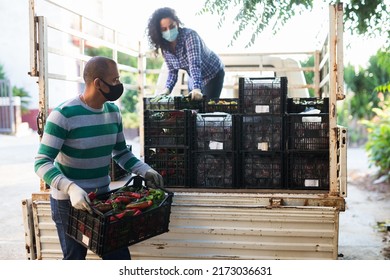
x: 358, y: 237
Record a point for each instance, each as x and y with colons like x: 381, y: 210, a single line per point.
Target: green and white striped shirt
x: 78, y: 144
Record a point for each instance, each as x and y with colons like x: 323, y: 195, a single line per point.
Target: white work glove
x: 79, y: 198
x: 153, y: 178
x: 165, y: 92
x: 196, y: 94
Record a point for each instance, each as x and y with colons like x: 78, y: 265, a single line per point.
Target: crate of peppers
x: 121, y: 217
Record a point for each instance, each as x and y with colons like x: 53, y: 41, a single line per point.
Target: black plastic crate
x: 185, y: 102
x: 307, y: 132
x: 172, y: 163
x: 117, y: 172
x: 261, y: 170
x: 224, y: 105
x: 299, y: 105
x: 214, y: 169
x: 159, y: 103
x: 262, y: 95
x: 260, y: 132
x: 215, y: 131
x: 101, y: 234
x: 168, y: 128
x: 307, y: 170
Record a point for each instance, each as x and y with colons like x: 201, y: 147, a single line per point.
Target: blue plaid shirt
x: 192, y: 55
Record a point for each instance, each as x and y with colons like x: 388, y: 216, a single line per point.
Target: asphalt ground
x: 359, y: 238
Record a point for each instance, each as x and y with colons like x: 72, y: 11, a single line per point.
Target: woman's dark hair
x: 156, y: 40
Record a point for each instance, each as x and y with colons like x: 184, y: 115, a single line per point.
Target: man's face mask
x: 171, y: 34
x: 114, y: 93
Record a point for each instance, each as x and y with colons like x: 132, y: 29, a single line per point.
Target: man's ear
x: 96, y: 83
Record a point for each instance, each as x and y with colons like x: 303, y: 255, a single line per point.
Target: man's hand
x: 196, y: 94
x: 153, y: 178
x: 79, y: 198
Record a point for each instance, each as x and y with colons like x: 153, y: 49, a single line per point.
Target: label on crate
x: 262, y: 109
x: 85, y: 240
x: 311, y: 119
x: 312, y: 183
x: 216, y: 145
x: 263, y: 146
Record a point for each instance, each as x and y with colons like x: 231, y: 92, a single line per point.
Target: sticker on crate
x: 261, y: 132
x: 262, y: 95
x: 214, y: 131
x: 121, y: 217
x: 308, y: 170
x: 308, y: 131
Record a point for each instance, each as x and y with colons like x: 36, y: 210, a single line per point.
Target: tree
x: 369, y: 18
x: 364, y: 84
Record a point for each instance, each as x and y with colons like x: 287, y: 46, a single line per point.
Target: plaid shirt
x: 193, y: 56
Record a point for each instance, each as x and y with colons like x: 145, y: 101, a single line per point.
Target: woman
x: 183, y: 48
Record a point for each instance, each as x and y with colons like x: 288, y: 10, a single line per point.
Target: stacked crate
x: 168, y: 133
x: 307, y: 143
x: 214, y: 157
x: 261, y: 132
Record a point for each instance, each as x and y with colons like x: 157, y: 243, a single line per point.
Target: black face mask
x: 114, y: 93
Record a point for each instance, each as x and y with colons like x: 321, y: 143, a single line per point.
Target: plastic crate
x: 224, y: 105
x: 307, y: 170
x: 185, y: 102
x: 214, y: 169
x: 172, y: 163
x: 260, y: 132
x: 261, y: 170
x: 299, y: 105
x: 168, y: 128
x: 117, y: 172
x: 215, y: 131
x: 102, y: 235
x: 159, y: 103
x: 307, y: 132
x: 262, y: 95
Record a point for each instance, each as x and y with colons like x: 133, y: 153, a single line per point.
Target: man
x: 81, y: 136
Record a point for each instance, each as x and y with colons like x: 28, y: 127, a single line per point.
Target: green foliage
x: 16, y: 91
x: 129, y: 99
x: 2, y: 74
x: 366, y: 84
x: 130, y: 120
x: 309, y: 76
x: 378, y: 144
x: 24, y: 98
x: 257, y: 14
x: 361, y: 17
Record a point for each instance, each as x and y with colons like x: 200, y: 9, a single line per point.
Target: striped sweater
x: 78, y: 144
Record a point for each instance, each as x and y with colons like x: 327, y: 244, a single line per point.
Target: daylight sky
x: 298, y: 35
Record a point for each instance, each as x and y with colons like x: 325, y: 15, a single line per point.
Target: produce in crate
x: 127, y: 201
x: 135, y: 213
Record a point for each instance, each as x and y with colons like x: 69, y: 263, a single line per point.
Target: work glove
x: 153, y: 178
x: 165, y: 92
x: 196, y: 94
x: 79, y: 198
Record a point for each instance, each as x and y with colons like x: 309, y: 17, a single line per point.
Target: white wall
x: 14, y: 46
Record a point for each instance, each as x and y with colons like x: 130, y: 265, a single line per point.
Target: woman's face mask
x: 114, y: 93
x: 171, y: 34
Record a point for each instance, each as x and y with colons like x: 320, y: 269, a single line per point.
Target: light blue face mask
x: 171, y: 34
